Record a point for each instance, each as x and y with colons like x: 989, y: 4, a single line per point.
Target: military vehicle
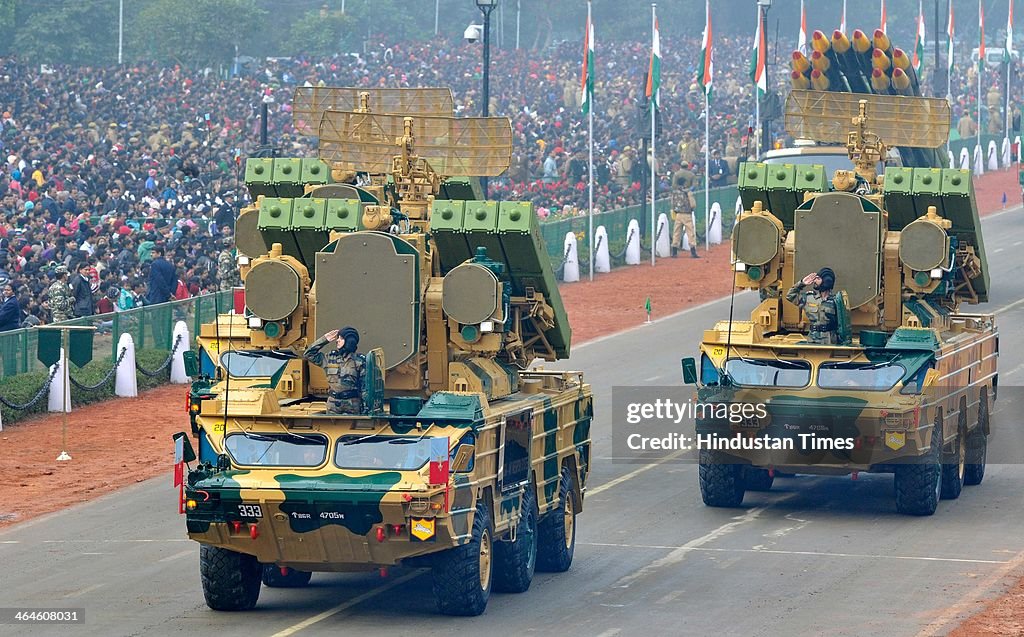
x: 908, y: 388
x: 464, y: 459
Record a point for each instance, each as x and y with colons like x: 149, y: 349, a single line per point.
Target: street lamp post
x: 766, y: 138
x: 486, y: 6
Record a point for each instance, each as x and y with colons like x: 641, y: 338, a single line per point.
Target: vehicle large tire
x: 556, y: 532
x: 462, y: 576
x: 721, y: 483
x: 273, y: 577
x: 231, y: 581
x: 919, y: 484
x: 515, y: 562
x: 755, y: 479
x: 955, y: 462
x: 977, y: 446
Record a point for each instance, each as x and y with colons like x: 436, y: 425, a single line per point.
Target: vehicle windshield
x: 382, y: 452
x: 860, y: 376
x: 277, y: 450
x: 253, y: 364
x: 755, y: 372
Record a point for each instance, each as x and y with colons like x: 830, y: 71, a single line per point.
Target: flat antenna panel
x: 826, y: 116
x: 310, y: 102
x: 454, y: 147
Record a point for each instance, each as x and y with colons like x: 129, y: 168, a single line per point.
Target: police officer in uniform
x: 682, y: 214
x: 60, y: 297
x: 345, y: 370
x: 819, y: 304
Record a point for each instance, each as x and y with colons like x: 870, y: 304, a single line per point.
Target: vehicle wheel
x: 556, y: 532
x: 514, y: 562
x: 956, y: 462
x: 918, y: 485
x: 231, y: 581
x: 273, y: 577
x: 977, y: 446
x: 462, y: 575
x: 755, y: 479
x: 721, y: 483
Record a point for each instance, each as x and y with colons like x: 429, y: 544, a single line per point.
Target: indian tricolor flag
x: 919, y: 40
x: 981, y: 30
x: 653, y: 91
x: 949, y: 42
x: 757, y: 59
x: 801, y: 43
x: 706, y: 70
x: 588, y: 67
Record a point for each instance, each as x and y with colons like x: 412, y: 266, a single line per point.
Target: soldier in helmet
x: 345, y: 369
x: 819, y: 303
x: 60, y: 297
x: 227, y: 266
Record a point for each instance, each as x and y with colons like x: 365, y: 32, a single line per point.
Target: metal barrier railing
x: 151, y: 327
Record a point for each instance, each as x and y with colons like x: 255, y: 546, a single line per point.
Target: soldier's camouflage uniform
x: 62, y: 301
x: 682, y: 214
x: 821, y: 312
x: 345, y: 374
x: 227, y: 269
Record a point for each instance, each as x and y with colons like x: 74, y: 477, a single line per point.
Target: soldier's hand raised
x: 809, y: 279
x: 332, y: 335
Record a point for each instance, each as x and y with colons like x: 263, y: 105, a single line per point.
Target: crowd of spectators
x: 100, y: 166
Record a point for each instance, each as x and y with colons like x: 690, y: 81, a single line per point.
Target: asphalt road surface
x: 816, y: 555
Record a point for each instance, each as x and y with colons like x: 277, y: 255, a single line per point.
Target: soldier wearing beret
x: 60, y: 297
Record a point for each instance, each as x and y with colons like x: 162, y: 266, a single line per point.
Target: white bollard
x: 126, y: 383
x: 602, y: 257
x: 571, y: 271
x: 715, y: 227
x: 993, y: 156
x: 633, y: 243
x: 951, y: 159
x: 979, y: 161
x: 965, y: 159
x: 61, y: 385
x: 178, y: 375
x: 1007, y: 156
x: 664, y: 244
x: 1016, y: 144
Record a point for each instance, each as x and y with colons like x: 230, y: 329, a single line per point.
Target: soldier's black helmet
x: 828, y: 278
x: 351, y: 337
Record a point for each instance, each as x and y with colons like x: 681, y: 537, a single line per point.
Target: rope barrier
x: 35, y: 399
x: 165, y: 364
x: 106, y: 378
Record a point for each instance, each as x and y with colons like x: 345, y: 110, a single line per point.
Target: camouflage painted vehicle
x: 908, y: 388
x: 463, y: 459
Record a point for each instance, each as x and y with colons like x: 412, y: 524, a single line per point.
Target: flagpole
x: 949, y: 54
x: 757, y: 93
x: 707, y: 171
x: 981, y: 58
x: 653, y: 163
x: 590, y: 169
x: 1009, y: 63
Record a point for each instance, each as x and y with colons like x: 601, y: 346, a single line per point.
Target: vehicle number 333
x: 250, y: 511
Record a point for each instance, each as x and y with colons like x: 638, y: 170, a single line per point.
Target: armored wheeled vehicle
x: 461, y: 457
x: 900, y: 380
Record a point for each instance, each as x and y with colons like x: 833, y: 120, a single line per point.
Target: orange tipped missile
x: 799, y: 80
x: 879, y: 81
x: 881, y: 40
x: 880, y: 60
x: 820, y: 61
x: 840, y: 43
x: 861, y: 42
x: 819, y: 42
x: 901, y: 82
x: 800, y: 64
x: 900, y: 59
x: 819, y: 80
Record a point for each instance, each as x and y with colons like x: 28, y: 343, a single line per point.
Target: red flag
x: 438, y: 460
